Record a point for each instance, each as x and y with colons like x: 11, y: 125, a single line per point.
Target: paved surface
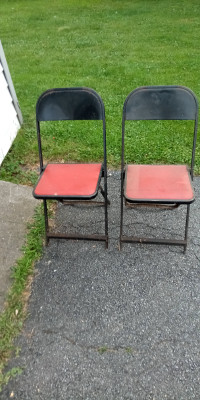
x: 17, y: 207
x: 105, y: 324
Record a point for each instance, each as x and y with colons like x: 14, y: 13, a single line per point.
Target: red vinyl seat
x: 69, y: 181
x: 158, y: 183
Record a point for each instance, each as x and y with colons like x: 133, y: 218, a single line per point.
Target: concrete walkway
x: 113, y: 325
x: 17, y: 207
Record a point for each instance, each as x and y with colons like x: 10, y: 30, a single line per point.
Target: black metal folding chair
x: 78, y: 182
x: 158, y: 185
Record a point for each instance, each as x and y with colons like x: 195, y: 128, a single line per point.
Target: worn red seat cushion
x: 170, y: 183
x: 69, y: 181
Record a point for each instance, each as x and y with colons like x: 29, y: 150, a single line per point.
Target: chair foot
x: 54, y: 235
x: 156, y: 241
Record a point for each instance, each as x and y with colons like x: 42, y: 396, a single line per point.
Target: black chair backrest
x: 161, y: 103
x: 69, y: 104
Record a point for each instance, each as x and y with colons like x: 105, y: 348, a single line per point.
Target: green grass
x: 11, y: 320
x: 112, y: 46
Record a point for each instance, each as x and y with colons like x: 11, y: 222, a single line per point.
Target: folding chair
x: 158, y: 185
x: 71, y: 183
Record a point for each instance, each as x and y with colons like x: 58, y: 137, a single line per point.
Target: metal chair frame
x: 158, y: 103
x: 72, y: 104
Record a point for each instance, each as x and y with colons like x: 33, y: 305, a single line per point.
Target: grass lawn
x: 112, y: 46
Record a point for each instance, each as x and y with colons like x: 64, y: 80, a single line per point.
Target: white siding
x: 9, y: 122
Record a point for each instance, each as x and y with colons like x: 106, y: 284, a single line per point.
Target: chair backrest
x: 69, y: 104
x: 161, y: 103
x: 62, y: 104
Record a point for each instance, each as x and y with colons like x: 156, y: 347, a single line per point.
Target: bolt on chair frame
x: 158, y: 103
x: 71, y: 104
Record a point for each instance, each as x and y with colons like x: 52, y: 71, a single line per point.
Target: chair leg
x: 106, y: 202
x: 121, y: 229
x: 106, y: 224
x: 121, y: 214
x: 153, y: 240
x: 46, y: 222
x: 186, y: 226
x: 49, y: 235
x: 104, y: 195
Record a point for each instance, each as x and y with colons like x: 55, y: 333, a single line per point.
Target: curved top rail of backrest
x: 69, y: 104
x: 161, y: 103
